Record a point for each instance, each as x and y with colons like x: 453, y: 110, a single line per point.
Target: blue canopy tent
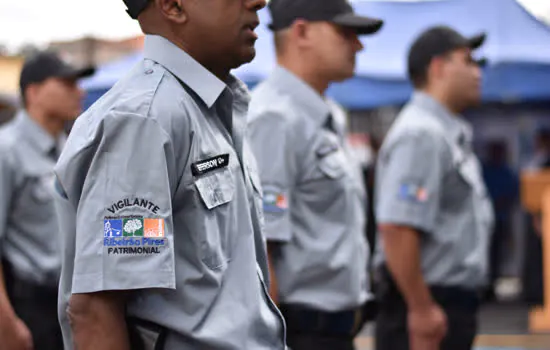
x: 106, y: 76
x: 517, y: 48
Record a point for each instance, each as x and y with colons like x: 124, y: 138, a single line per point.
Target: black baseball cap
x: 47, y: 64
x: 437, y: 41
x: 135, y: 7
x: 285, y: 12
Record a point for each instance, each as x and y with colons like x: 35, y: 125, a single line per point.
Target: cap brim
x: 362, y: 25
x: 70, y: 73
x: 477, y: 41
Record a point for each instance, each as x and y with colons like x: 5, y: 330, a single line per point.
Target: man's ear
x: 173, y: 10
x: 31, y: 92
x: 299, y: 31
x: 437, y: 67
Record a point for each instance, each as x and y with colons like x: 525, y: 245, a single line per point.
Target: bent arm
x: 408, y: 198
x: 402, y: 249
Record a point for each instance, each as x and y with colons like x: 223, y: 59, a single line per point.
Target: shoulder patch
x: 275, y: 202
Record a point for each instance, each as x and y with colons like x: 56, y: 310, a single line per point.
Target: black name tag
x: 205, y: 166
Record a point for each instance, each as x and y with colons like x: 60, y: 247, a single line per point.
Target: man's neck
x: 53, y: 126
x: 304, y: 72
x: 212, y: 65
x: 441, y: 97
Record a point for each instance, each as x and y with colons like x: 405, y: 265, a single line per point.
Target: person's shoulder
x: 10, y: 136
x: 148, y: 91
x: 267, y: 101
x: 140, y: 92
x: 413, y: 121
x: 415, y: 129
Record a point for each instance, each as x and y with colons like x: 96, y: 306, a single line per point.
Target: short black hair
x: 43, y: 65
x: 435, y: 42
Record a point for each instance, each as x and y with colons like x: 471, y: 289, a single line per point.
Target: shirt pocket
x: 216, y: 191
x: 332, y: 165
x: 42, y: 188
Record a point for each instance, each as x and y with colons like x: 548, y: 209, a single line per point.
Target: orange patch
x: 153, y: 228
x: 282, y: 202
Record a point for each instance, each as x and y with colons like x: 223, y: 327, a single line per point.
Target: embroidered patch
x: 112, y: 228
x: 133, y: 235
x: 413, y: 193
x: 133, y: 202
x: 154, y: 227
x: 275, y: 202
x: 132, y: 227
x: 205, y: 166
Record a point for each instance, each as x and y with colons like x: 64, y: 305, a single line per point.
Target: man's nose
x: 357, y: 44
x: 256, y: 5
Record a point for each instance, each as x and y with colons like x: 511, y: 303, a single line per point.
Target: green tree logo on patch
x: 133, y: 227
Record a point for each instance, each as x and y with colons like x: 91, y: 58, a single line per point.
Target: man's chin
x: 72, y: 116
x: 247, y: 54
x: 476, y: 101
x: 343, y: 77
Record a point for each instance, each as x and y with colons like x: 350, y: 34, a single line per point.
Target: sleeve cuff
x: 418, y: 223
x: 128, y: 280
x: 278, y: 228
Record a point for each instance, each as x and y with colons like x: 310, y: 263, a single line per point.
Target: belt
x: 301, y: 319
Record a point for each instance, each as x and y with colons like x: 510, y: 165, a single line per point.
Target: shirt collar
x: 205, y: 84
x: 305, y: 97
x: 36, y: 134
x: 459, y: 127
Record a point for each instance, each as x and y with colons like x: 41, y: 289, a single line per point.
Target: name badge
x: 205, y: 166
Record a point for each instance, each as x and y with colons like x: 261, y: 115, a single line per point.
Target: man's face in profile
x: 225, y: 28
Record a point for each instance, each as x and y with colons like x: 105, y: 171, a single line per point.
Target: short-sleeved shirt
x: 29, y: 233
x: 314, y: 196
x: 159, y: 195
x: 429, y: 179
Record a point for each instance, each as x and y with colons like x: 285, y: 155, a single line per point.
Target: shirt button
x: 149, y: 71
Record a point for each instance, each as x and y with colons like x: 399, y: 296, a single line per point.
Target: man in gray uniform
x: 160, y: 202
x: 432, y: 208
x: 29, y: 234
x: 314, y: 198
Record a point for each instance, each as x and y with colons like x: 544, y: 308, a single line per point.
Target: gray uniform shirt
x: 428, y: 178
x: 29, y: 234
x: 314, y: 196
x: 159, y: 194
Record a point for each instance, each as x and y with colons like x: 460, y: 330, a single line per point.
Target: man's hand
x: 427, y: 327
x: 14, y: 335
